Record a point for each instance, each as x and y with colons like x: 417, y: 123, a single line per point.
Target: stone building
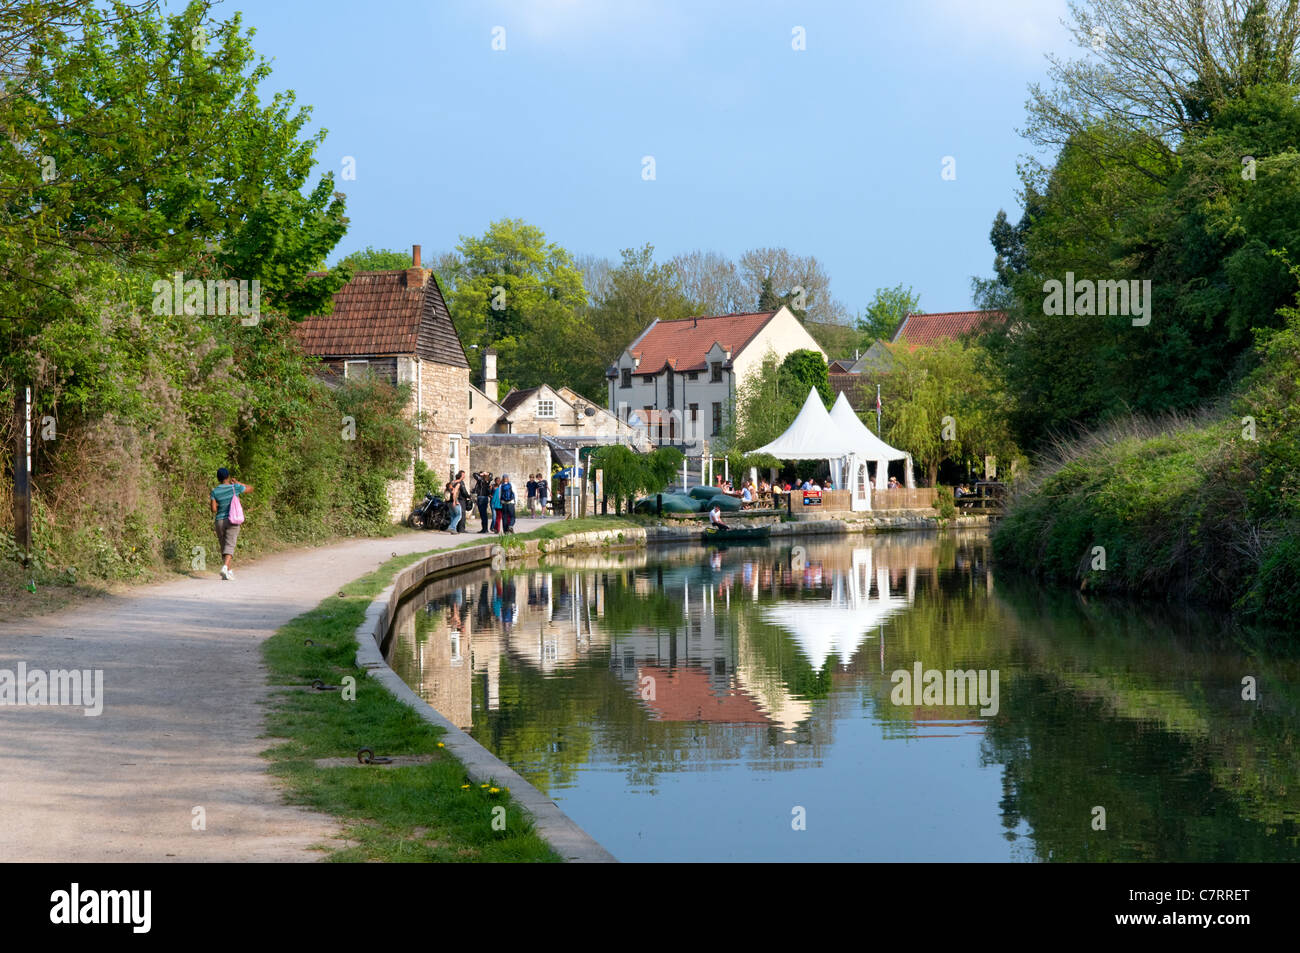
x: 396, y: 324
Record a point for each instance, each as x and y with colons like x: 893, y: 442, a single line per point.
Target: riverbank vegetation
x: 1161, y: 412
x: 146, y: 157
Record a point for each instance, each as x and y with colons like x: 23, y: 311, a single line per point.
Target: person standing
x: 496, y: 505
x: 465, y: 500
x: 543, y: 491
x: 450, y: 495
x: 483, y: 496
x: 507, y: 504
x: 227, y: 532
x: 532, y: 493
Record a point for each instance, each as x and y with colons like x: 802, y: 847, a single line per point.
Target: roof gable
x: 385, y: 312
x: 684, y: 344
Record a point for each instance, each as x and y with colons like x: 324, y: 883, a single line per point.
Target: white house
x: 678, y: 378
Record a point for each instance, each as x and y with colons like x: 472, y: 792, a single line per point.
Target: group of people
x: 494, y: 495
x: 538, y: 490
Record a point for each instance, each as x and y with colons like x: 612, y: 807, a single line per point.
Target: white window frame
x: 545, y: 402
x: 347, y: 364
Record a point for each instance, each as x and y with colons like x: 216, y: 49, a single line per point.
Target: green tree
x: 886, y: 312
x: 523, y: 296
x: 377, y: 259
x: 804, y: 370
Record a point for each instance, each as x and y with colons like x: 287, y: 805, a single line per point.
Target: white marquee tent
x: 814, y: 436
x: 866, y: 444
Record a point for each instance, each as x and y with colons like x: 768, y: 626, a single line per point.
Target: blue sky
x: 835, y: 150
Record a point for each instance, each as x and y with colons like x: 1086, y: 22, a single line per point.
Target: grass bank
x: 419, y: 812
x: 1165, y: 509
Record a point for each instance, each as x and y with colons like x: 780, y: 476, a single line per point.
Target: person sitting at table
x: 894, y: 484
x: 746, y: 495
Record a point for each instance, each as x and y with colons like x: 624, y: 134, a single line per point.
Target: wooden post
x: 23, y: 472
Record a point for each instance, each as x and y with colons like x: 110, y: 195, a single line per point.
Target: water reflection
x: 681, y: 704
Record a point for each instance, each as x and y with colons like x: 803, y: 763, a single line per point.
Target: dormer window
x: 627, y: 377
x: 715, y: 372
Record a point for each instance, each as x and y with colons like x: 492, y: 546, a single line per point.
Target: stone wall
x: 513, y: 459
x: 444, y: 403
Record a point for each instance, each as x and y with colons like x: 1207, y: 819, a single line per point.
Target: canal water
x: 871, y: 698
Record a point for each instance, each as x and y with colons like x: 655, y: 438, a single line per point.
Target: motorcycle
x: 432, y: 513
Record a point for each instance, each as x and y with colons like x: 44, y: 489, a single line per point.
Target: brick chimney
x: 490, y: 373
x: 415, y: 274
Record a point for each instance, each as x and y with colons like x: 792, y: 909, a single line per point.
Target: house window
x: 647, y: 378
x: 627, y: 378
x: 693, y: 375
x: 546, y: 409
x: 669, y: 390
x: 453, y: 455
x: 695, y: 413
x: 715, y: 372
x: 355, y: 368
x: 717, y: 418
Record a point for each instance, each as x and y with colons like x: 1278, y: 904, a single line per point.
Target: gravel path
x: 184, y: 696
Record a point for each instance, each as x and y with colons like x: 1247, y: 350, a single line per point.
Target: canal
x: 863, y: 698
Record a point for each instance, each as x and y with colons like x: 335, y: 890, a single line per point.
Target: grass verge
x: 421, y: 812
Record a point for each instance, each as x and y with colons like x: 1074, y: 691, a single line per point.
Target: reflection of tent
x: 839, y: 626
x: 867, y: 445
x: 814, y: 436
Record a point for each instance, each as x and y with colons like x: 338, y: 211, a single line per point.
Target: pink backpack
x: 236, y: 511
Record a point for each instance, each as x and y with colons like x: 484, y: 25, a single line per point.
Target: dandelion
x: 494, y: 790
x: 484, y: 785
x: 441, y: 745
x: 464, y: 787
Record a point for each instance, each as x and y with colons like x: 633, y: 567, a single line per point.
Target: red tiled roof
x: 381, y: 313
x: 929, y: 329
x: 683, y: 344
x: 684, y: 694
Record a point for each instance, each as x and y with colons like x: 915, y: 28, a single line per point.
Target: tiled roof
x: 517, y: 397
x: 929, y: 329
x: 685, y: 694
x: 860, y: 389
x: 383, y: 312
x: 683, y: 344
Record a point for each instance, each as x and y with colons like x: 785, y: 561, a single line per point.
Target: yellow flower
x: 494, y: 790
x: 464, y: 786
x: 441, y: 745
x: 483, y: 785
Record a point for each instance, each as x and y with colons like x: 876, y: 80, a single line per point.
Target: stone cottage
x: 396, y: 324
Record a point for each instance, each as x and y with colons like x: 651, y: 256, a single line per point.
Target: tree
x: 377, y: 259
x: 639, y: 291
x: 523, y: 296
x: 712, y: 281
x: 886, y: 312
x: 1160, y: 68
x: 794, y: 280
x: 946, y: 403
x: 805, y: 370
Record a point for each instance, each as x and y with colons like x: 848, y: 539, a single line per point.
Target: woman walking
x: 222, y: 495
